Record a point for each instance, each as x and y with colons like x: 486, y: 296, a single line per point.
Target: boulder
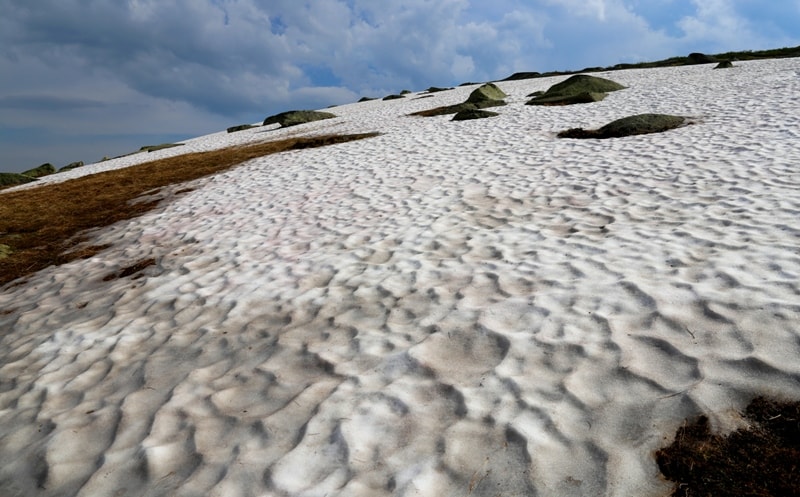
x: 38, y: 172
x: 295, y: 117
x: 12, y: 179
x: 153, y: 148
x: 523, y: 75
x: 586, y: 97
x: 393, y: 97
x: 365, y: 99
x: 725, y: 64
x: 241, y: 127
x: 639, y: 124
x: 436, y: 89
x: 700, y: 58
x: 577, y: 89
x: 405, y: 92
x: 486, y: 92
x: 71, y: 165
x: 454, y: 109
x: 468, y: 114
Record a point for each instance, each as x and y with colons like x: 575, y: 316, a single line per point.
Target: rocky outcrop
x: 466, y: 115
x: 71, y: 165
x: 577, y: 89
x: 12, y: 179
x: 523, y: 75
x: 436, y: 89
x: 639, y: 124
x: 725, y: 64
x: 43, y: 170
x: 488, y: 95
x: 153, y: 148
x: 700, y: 58
x: 487, y: 92
x: 393, y: 97
x: 295, y: 117
x: 241, y: 127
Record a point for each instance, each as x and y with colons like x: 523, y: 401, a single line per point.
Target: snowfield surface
x: 472, y: 308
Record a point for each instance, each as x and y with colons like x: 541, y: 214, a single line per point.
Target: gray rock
x: 465, y: 115
x: 639, y: 124
x: 153, y: 148
x: 241, y: 127
x: 295, y: 117
x: 71, y: 165
x: 700, y: 58
x: 577, y: 89
x: 523, y: 75
x: 489, y: 91
x: 12, y: 179
x: 43, y: 170
x: 454, y: 109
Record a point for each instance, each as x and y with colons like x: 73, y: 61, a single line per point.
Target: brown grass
x: 761, y: 461
x: 43, y: 226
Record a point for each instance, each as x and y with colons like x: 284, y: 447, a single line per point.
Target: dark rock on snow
x: 628, y: 126
x: 523, y: 75
x: 295, y: 117
x: 12, y: 179
x: 241, y: 127
x: 487, y: 92
x: 153, y: 148
x: 71, y: 165
x: 580, y: 88
x: 465, y: 115
x: 700, y: 58
x: 43, y: 170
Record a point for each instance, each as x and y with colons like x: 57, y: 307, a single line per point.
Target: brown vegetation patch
x: 44, y: 225
x: 760, y: 461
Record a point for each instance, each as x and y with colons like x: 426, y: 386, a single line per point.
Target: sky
x: 83, y: 79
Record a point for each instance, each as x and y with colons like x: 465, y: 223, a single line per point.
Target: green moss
x: 5, y: 251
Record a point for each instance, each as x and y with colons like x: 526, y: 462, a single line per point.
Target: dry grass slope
x: 42, y: 226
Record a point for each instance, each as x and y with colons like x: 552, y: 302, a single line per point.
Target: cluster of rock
x: 487, y: 95
x: 286, y: 119
x: 46, y: 169
x: 577, y: 89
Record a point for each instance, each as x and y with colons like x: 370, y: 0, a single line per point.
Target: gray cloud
x: 46, y: 103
